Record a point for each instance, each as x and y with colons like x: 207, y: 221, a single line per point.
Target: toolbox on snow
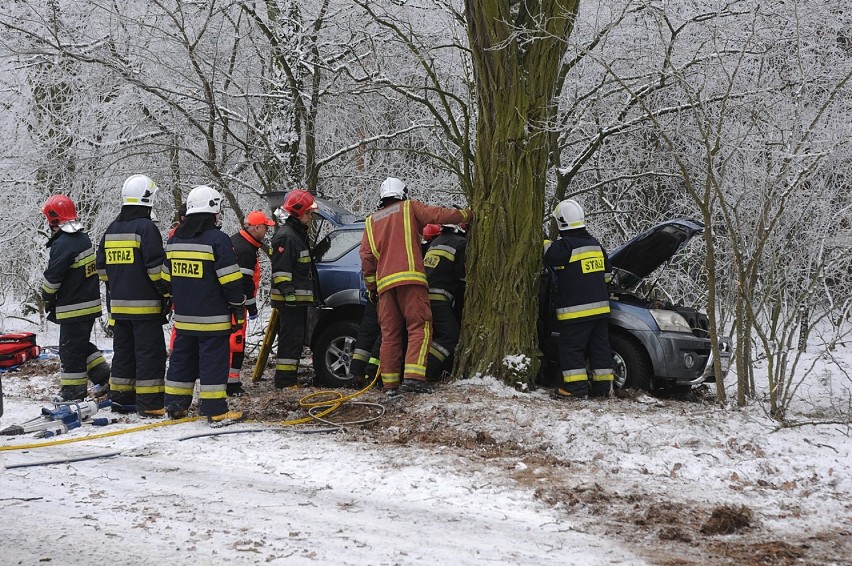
x: 17, y: 347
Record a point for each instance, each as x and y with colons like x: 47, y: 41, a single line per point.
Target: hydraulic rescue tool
x: 63, y: 417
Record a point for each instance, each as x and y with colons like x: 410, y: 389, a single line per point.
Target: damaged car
x: 655, y: 344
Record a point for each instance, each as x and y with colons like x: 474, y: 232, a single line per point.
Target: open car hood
x: 643, y: 254
x: 335, y: 214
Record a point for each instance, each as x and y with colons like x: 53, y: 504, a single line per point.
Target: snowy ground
x: 475, y: 473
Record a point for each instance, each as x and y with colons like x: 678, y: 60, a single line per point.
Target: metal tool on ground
x: 65, y: 413
x: 57, y: 429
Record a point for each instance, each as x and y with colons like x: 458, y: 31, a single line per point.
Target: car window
x: 336, y: 244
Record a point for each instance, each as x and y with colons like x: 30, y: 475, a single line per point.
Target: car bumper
x: 684, y: 359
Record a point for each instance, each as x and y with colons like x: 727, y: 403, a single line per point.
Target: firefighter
x: 130, y: 262
x: 365, y: 350
x: 207, y: 290
x: 247, y: 243
x: 292, y: 284
x: 430, y: 232
x: 72, y: 299
x: 582, y: 271
x: 445, y: 263
x: 368, y: 341
x: 392, y: 266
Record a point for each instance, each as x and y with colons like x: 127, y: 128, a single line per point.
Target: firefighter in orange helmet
x: 248, y: 243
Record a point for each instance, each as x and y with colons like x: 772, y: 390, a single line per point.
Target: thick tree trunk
x: 515, y: 66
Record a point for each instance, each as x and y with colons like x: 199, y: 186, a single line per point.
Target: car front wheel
x: 630, y: 364
x: 333, y: 354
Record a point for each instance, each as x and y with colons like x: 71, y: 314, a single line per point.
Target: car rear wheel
x: 630, y: 364
x: 333, y: 354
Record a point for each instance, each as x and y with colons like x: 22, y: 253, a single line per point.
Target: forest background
x: 735, y: 113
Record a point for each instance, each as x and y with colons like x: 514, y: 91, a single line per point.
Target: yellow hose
x: 305, y: 402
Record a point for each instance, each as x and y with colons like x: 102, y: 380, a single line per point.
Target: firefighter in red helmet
x: 292, y: 283
x: 72, y: 299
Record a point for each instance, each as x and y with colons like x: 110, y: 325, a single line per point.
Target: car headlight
x: 670, y: 321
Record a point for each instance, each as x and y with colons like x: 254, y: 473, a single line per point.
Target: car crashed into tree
x: 656, y: 345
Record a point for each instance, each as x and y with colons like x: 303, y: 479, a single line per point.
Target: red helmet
x: 59, y: 209
x: 298, y: 202
x: 431, y: 231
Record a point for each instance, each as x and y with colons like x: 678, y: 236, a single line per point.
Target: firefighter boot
x: 235, y: 389
x: 227, y: 418
x: 415, y: 386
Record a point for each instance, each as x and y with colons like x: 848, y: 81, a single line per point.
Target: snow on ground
x: 475, y: 473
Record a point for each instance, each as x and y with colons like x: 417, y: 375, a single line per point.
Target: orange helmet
x: 258, y: 218
x: 59, y: 209
x: 431, y: 231
x: 298, y: 201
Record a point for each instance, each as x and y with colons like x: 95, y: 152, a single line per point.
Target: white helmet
x: 457, y: 228
x: 393, y: 188
x: 203, y: 199
x: 569, y: 215
x: 138, y: 190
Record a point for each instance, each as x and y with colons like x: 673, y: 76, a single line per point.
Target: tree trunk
x: 515, y: 67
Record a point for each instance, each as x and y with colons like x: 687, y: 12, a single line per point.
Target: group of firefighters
x: 413, y: 266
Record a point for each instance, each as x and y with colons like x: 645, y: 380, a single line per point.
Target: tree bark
x: 516, y: 50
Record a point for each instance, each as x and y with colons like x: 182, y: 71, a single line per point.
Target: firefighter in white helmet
x: 207, y: 289
x: 582, y: 271
x: 392, y: 266
x: 130, y: 261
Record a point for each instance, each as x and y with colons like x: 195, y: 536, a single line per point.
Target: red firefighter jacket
x: 390, y: 248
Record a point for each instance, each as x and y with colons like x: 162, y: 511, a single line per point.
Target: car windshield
x: 336, y: 244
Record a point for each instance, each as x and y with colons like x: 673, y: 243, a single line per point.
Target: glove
x: 372, y: 296
x: 252, y: 312
x: 237, y: 318
x: 290, y: 300
x: 50, y: 304
x: 166, y: 308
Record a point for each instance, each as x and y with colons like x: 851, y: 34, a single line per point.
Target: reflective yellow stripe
x: 413, y: 276
x: 183, y: 254
x: 390, y: 378
x: 85, y: 261
x: 203, y: 327
x: 369, y: 226
x: 582, y: 314
x: 571, y: 377
x: 235, y: 276
x: 212, y: 394
x: 185, y: 391
x: 135, y: 310
x: 406, y: 220
x: 80, y: 312
x: 414, y: 369
x: 122, y: 244
x: 424, y: 347
x: 151, y: 389
x: 586, y: 255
